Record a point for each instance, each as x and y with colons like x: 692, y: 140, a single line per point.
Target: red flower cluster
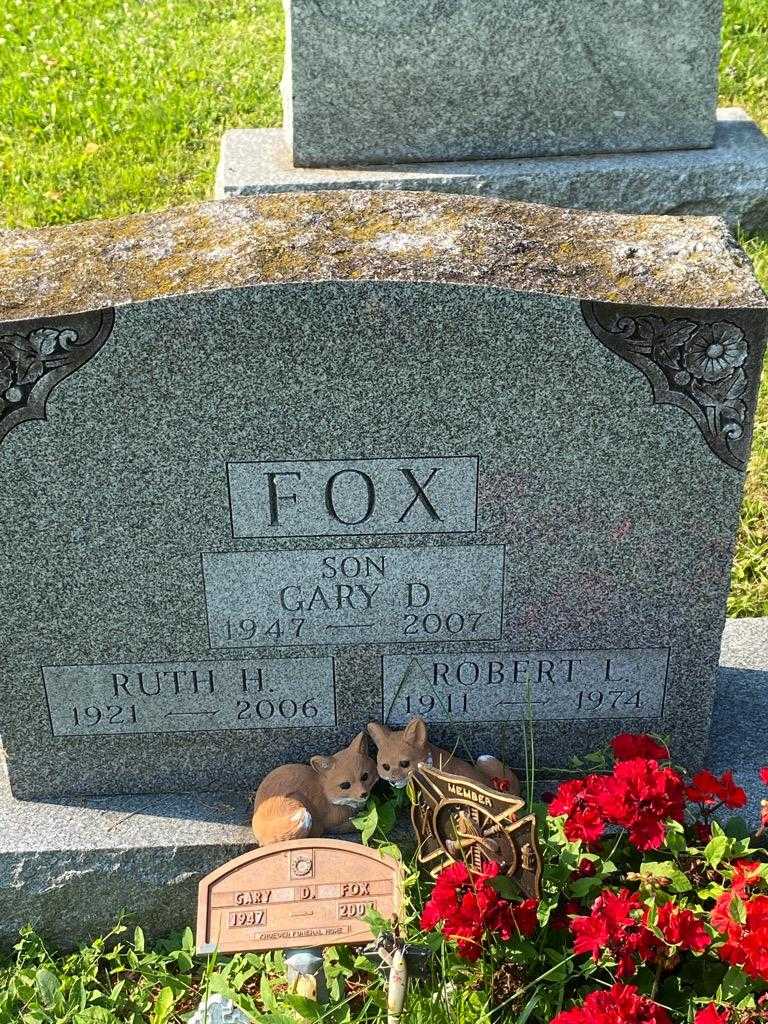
x: 746, y: 941
x: 640, y: 796
x: 469, y: 908
x: 615, y: 925
x: 711, y: 1015
x: 621, y: 1004
x: 709, y: 791
x: 618, y: 924
x: 627, y: 746
x: 579, y: 800
x: 682, y: 928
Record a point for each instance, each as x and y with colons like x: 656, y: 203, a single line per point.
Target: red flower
x: 746, y: 873
x: 708, y: 790
x: 711, y: 1015
x: 744, y: 923
x: 682, y: 928
x: 614, y: 926
x: 501, y: 784
x: 628, y: 746
x: 587, y: 869
x: 525, y: 917
x: 621, y: 1004
x: 579, y: 801
x: 469, y: 908
x: 640, y: 797
x: 702, y: 831
x: 560, y: 920
x: 764, y: 775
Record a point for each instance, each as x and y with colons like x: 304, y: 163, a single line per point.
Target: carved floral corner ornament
x: 704, y: 362
x: 35, y: 355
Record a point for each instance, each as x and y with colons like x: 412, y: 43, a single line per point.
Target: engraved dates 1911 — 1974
x: 503, y: 686
x: 373, y: 595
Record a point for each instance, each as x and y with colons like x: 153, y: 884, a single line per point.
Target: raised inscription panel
x: 511, y: 685
x: 271, y: 693
x: 375, y: 595
x: 301, y: 893
x: 353, y: 497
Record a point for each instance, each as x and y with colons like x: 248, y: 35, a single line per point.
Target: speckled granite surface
x: 377, y: 81
x: 609, y: 441
x: 729, y: 180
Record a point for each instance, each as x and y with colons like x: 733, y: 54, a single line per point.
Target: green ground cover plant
x: 115, y: 106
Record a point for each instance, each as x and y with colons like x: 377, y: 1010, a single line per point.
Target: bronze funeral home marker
x: 308, y: 892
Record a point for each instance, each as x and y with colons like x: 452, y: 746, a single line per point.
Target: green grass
x: 744, y: 82
x: 115, y: 106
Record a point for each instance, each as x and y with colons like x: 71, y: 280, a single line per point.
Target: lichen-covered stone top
x: 397, y: 236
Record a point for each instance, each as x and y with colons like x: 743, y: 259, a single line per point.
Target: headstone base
x: 72, y: 866
x: 729, y: 180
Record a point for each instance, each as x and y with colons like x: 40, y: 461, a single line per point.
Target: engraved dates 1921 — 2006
x: 271, y: 693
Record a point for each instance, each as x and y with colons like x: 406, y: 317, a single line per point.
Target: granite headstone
x: 312, y: 460
x: 389, y: 81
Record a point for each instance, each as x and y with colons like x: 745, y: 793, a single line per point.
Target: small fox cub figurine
x: 400, y: 753
x: 300, y: 800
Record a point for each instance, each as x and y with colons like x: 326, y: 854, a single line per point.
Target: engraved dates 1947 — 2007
x: 353, y: 596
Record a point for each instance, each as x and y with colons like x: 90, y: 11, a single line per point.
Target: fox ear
x: 359, y: 744
x: 379, y: 733
x: 321, y: 763
x: 416, y: 732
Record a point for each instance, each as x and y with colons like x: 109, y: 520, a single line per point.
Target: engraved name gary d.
x: 396, y: 595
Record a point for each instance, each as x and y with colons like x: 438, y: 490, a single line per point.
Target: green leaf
x: 583, y: 886
x: 307, y: 1008
x: 737, y: 828
x: 48, y: 987
x: 716, y: 849
x: 738, y: 910
x: 505, y: 887
x: 138, y: 940
x: 734, y: 986
x: 675, y: 840
x: 163, y: 1005
x: 266, y: 993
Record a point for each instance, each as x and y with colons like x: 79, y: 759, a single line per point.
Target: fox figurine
x: 400, y: 753
x: 297, y: 801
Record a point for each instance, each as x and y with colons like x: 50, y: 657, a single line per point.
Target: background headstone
x: 588, y: 104
x: 388, y: 81
x: 584, y: 384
